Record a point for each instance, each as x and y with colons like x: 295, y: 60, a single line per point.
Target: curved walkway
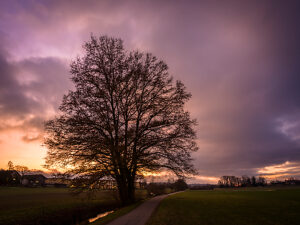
x: 141, y: 214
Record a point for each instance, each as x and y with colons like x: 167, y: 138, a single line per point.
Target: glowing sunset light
x: 281, y: 171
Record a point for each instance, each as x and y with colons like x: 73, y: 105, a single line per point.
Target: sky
x: 239, y: 59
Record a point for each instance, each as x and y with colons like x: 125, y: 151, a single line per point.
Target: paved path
x: 141, y: 214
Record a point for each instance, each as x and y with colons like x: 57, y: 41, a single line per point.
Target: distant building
x: 33, y: 180
x: 57, y: 182
x: 9, y: 177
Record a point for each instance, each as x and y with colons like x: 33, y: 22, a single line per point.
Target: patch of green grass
x: 19, y: 205
x: 227, y: 206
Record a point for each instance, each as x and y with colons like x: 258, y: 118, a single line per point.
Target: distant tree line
x: 289, y: 181
x: 244, y: 181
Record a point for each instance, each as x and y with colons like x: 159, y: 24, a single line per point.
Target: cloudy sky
x: 239, y: 59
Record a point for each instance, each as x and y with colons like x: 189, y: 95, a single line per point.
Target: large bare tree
x: 126, y: 116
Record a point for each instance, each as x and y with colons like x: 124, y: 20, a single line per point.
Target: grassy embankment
x: 127, y: 209
x: 116, y: 214
x: 52, y: 205
x: 243, y: 206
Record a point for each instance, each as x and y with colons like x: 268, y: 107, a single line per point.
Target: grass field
x: 45, y: 206
x: 235, y: 207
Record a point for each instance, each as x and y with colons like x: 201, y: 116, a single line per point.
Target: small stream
x: 93, y: 219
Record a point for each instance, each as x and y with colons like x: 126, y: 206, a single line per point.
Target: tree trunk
x: 126, y: 191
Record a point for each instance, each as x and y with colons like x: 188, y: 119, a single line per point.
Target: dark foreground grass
x: 236, y: 207
x: 45, y: 206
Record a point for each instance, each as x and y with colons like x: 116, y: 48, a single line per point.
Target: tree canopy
x: 125, y: 116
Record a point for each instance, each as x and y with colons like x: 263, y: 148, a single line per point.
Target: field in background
x: 228, y: 206
x: 20, y: 205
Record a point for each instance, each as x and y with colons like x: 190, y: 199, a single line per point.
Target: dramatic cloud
x: 239, y: 59
x: 30, y: 92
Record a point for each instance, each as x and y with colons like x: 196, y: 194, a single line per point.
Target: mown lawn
x: 235, y: 207
x: 46, y: 206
